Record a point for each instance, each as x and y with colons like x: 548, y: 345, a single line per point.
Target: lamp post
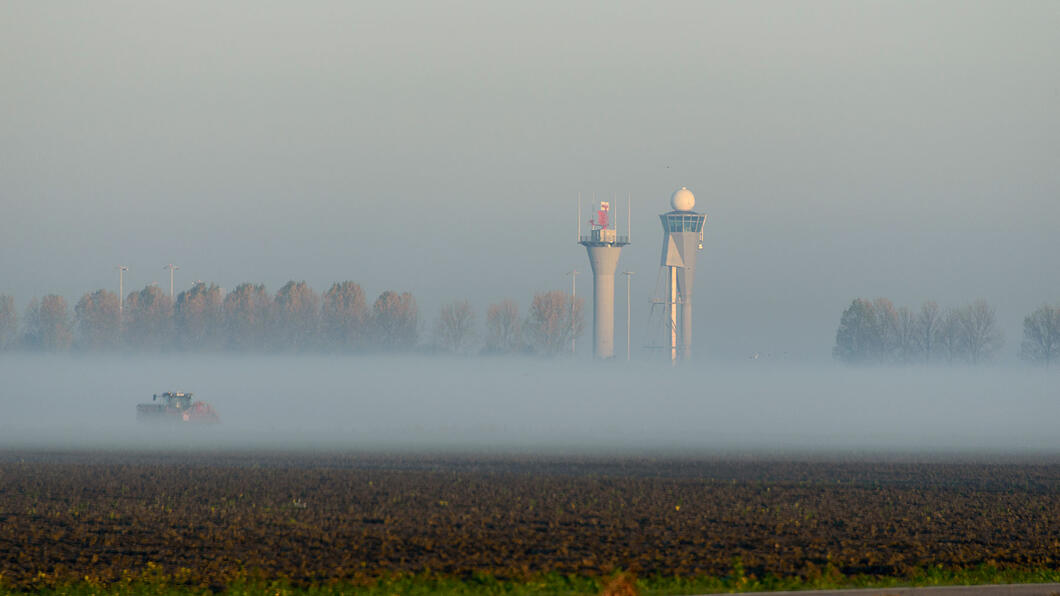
x: 121, y: 288
x: 171, y: 268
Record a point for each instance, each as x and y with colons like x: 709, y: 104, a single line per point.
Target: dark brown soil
x: 317, y: 518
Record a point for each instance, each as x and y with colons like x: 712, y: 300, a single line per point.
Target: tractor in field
x: 176, y: 407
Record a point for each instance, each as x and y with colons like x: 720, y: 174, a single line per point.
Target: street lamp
x: 573, y: 273
x: 121, y: 288
x: 171, y: 268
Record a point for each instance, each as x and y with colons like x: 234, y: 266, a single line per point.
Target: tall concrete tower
x: 682, y: 238
x: 604, y: 247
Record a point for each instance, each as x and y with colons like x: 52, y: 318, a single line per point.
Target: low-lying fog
x: 502, y: 405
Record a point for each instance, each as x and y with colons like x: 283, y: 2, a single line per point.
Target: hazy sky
x: 840, y: 149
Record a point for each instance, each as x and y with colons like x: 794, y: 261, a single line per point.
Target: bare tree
x: 877, y: 331
x: 1041, y: 335
x: 395, y: 321
x: 906, y: 335
x: 99, y: 321
x: 980, y: 335
x: 246, y: 315
x: 950, y: 338
x: 555, y: 318
x: 454, y: 329
x: 148, y: 318
x: 297, y: 316
x: 48, y: 324
x: 31, y: 325
x: 344, y: 315
x: 503, y: 331
x: 928, y: 322
x: 199, y: 318
x: 8, y: 322
x: 889, y: 331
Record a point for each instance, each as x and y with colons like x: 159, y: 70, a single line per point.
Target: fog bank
x: 537, y: 405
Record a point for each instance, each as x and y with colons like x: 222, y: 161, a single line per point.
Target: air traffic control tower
x: 682, y: 238
x: 604, y: 247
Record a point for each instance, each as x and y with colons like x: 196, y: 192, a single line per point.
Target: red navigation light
x: 601, y: 215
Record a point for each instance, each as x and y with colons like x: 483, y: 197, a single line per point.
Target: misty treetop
x: 99, y: 320
x: 395, y: 321
x: 297, y: 316
x: 246, y: 311
x: 504, y: 332
x: 47, y: 325
x: 199, y: 317
x: 147, y: 321
x: 455, y: 328
x: 294, y: 319
x: 344, y: 317
x: 878, y: 332
x: 1041, y: 335
x: 555, y: 319
x: 8, y: 322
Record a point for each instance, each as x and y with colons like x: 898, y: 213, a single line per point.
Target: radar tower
x: 682, y: 239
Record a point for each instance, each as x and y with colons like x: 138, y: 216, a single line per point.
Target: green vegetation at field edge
x: 829, y: 577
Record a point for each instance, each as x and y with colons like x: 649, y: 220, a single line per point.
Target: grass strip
x: 622, y: 584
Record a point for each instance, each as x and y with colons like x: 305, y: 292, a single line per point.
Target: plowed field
x: 209, y: 519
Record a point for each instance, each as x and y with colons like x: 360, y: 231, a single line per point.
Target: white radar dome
x: 683, y: 200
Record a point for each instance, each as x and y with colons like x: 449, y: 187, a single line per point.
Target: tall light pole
x: 171, y: 268
x: 573, y: 300
x: 629, y: 275
x: 121, y: 288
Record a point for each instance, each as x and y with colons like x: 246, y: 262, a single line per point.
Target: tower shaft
x: 685, y: 276
x: 671, y: 309
x: 604, y: 261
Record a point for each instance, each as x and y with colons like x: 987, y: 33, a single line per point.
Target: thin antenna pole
x: 629, y: 220
x: 612, y: 220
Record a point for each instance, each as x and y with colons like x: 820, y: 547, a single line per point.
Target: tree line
x: 294, y: 319
x: 875, y: 331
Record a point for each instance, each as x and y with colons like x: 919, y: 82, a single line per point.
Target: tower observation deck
x: 604, y: 246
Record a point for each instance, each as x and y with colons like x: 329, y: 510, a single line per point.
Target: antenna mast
x: 579, y: 238
x: 614, y: 220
